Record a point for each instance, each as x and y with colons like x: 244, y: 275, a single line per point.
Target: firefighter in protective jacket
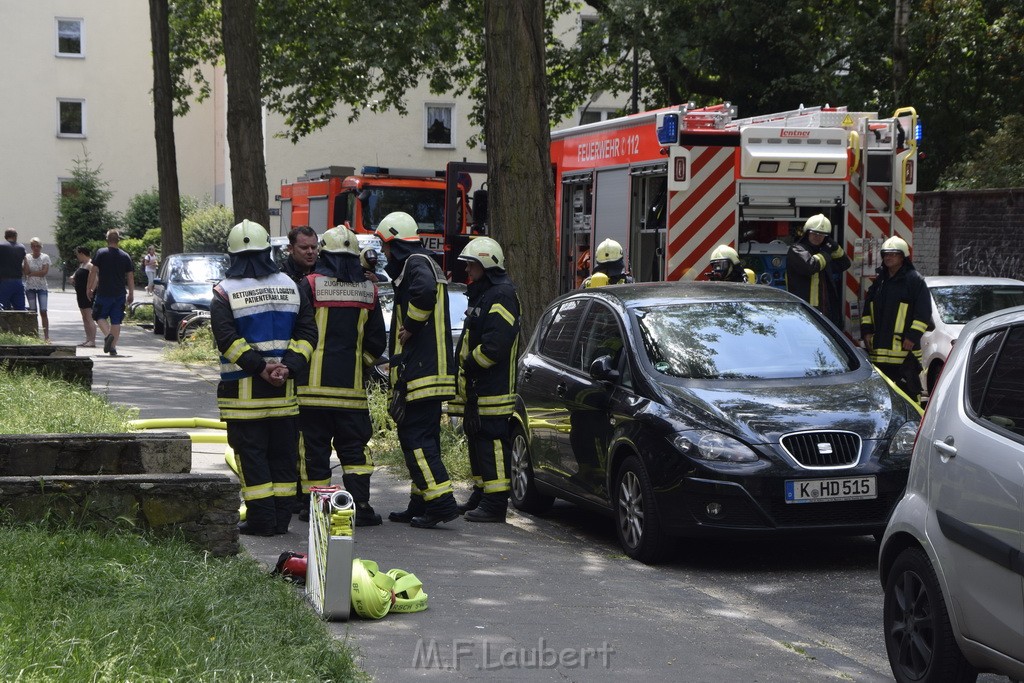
x: 897, y: 311
x: 420, y: 349
x: 486, y: 381
x: 725, y: 266
x: 332, y: 395
x: 265, y: 332
x: 610, y: 268
x: 812, y: 263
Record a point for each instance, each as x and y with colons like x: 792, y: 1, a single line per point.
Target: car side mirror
x: 602, y: 370
x: 158, y: 281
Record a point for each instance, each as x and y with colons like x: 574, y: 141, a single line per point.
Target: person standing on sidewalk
x: 332, y: 394
x: 421, y: 369
x: 37, y: 293
x: 302, y: 247
x: 12, y: 272
x: 81, y: 281
x: 486, y: 380
x: 112, y: 271
x: 265, y: 332
x: 149, y: 263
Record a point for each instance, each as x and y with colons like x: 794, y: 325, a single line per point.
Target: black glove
x: 829, y: 245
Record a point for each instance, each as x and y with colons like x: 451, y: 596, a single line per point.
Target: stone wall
x: 34, y: 455
x: 970, y: 232
x: 74, y: 369
x: 19, y: 322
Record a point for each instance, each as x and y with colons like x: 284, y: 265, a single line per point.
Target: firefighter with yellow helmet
x: 813, y: 265
x: 265, y: 333
x: 486, y: 379
x: 609, y: 266
x: 421, y: 368
x: 331, y: 394
x: 725, y: 266
x: 897, y: 311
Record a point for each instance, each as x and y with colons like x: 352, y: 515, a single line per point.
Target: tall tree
x: 163, y: 114
x: 245, y: 111
x: 518, y: 158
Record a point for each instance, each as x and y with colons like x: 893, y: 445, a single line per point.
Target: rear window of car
x: 960, y: 304
x: 557, y: 341
x: 198, y: 270
x: 740, y: 340
x: 995, y: 379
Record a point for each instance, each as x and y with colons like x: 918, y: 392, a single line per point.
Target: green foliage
x: 197, y: 349
x: 207, y: 229
x: 152, y: 236
x: 996, y: 162
x: 82, y: 214
x: 89, y: 606
x: 33, y: 404
x: 11, y: 339
x: 142, y: 214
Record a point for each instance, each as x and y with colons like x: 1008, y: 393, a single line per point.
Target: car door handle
x: 945, y: 447
x: 560, y: 390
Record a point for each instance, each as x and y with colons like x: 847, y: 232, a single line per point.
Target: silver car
x: 952, y: 557
x: 957, y: 300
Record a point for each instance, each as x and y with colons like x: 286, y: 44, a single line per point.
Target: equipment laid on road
x: 670, y: 185
x: 329, y: 572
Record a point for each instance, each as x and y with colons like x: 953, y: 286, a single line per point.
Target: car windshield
x: 424, y: 205
x: 740, y: 340
x: 960, y: 304
x: 198, y: 270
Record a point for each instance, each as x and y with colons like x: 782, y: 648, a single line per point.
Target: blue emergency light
x: 917, y: 132
x: 668, y: 131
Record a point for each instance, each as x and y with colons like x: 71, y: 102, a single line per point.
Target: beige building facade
x: 77, y: 76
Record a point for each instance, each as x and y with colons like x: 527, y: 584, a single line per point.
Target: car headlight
x: 902, y: 442
x: 713, y: 446
x: 182, y: 307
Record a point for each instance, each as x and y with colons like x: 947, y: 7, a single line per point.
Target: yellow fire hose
x: 375, y: 593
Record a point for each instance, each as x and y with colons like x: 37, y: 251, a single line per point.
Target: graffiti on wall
x: 988, y: 259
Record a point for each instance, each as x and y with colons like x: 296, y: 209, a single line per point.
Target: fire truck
x: 440, y: 201
x: 671, y: 184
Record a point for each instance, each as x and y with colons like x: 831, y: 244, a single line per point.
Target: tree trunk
x: 163, y: 115
x: 900, y: 52
x: 519, y: 177
x: 245, y: 111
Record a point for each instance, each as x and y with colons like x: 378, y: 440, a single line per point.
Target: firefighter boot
x: 492, y: 508
x: 473, y: 502
x: 283, y: 514
x: 441, y: 510
x: 358, y: 485
x: 366, y: 516
x: 416, y: 507
x: 260, y: 518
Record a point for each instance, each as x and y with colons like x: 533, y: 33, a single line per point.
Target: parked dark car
x: 687, y: 409
x: 184, y: 284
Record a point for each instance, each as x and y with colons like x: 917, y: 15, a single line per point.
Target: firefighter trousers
x: 420, y: 436
x: 349, y: 431
x: 267, y: 451
x: 490, y: 457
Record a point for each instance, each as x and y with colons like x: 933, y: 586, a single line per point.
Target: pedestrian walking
x: 897, y: 311
x: 813, y: 264
x: 486, y: 379
x: 12, y: 272
x: 332, y: 392
x: 80, y: 280
x: 420, y: 348
x: 111, y: 287
x: 266, y: 333
x: 37, y: 292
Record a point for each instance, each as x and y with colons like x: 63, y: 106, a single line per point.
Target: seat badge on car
x: 825, y: 448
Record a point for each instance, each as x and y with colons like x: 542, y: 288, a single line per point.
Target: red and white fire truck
x: 672, y: 184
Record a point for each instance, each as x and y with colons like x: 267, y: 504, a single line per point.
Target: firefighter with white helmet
x: 609, y: 266
x: 265, y: 331
x: 486, y: 379
x: 897, y: 311
x: 422, y: 376
x: 725, y: 266
x: 813, y: 267
x: 332, y: 398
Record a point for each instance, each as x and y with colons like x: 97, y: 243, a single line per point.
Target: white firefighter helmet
x: 398, y: 225
x: 340, y: 240
x: 818, y: 223
x: 485, y: 251
x: 896, y: 244
x: 723, y: 252
x: 248, y: 236
x: 609, y: 251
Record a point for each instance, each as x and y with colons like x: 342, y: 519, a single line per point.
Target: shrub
x: 207, y: 229
x: 82, y: 215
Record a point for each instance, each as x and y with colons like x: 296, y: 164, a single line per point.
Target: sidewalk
x: 531, y: 600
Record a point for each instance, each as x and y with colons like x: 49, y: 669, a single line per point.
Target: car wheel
x: 158, y: 324
x: 918, y: 635
x: 636, y: 514
x: 170, y: 329
x: 525, y: 496
x: 933, y: 375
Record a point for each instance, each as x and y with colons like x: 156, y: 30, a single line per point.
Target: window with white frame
x: 70, y: 118
x: 592, y: 115
x: 70, y: 37
x: 439, y: 125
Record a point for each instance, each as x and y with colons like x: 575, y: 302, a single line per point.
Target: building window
x: 439, y: 125
x: 66, y: 187
x: 592, y: 115
x: 70, y: 38
x: 71, y: 118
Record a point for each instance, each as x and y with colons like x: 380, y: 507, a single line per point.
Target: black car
x: 183, y: 285
x: 688, y: 409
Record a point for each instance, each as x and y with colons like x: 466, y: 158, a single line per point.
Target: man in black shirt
x: 303, y: 245
x: 112, y: 270
x: 12, y: 286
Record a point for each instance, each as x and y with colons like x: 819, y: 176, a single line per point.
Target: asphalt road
x: 532, y: 599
